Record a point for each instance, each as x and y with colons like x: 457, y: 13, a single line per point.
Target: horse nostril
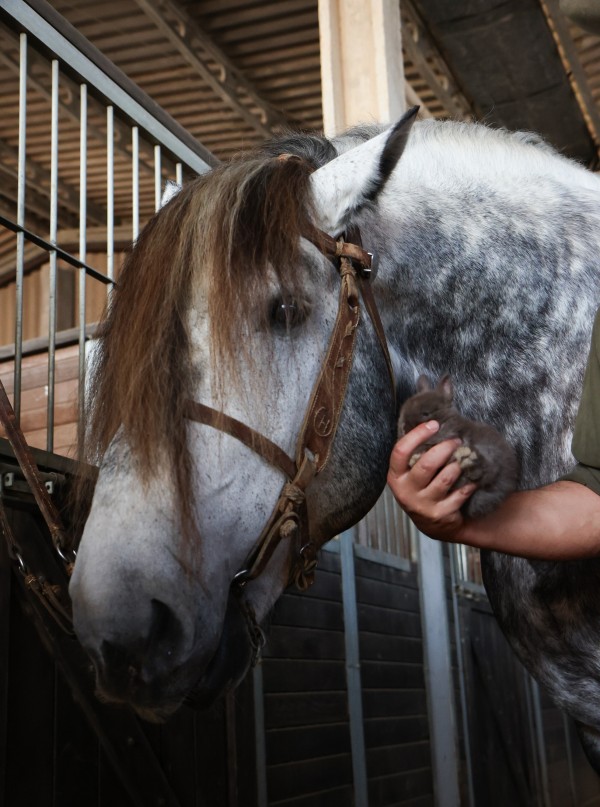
x: 166, y: 633
x: 146, y: 651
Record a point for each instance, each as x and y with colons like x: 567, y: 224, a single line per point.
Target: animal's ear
x: 344, y: 185
x: 171, y: 190
x: 423, y: 384
x: 446, y: 388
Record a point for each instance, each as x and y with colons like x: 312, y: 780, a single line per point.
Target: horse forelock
x: 225, y: 231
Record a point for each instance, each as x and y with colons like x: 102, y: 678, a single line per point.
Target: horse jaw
x: 342, y: 187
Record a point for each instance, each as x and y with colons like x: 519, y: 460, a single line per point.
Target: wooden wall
x: 34, y: 397
x: 35, y: 301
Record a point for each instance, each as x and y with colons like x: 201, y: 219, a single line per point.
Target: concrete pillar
x: 362, y: 70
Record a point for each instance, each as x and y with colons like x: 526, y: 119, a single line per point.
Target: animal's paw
x: 415, y: 458
x: 465, y: 457
x: 468, y: 461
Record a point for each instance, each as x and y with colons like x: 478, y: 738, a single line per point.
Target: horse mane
x: 221, y: 231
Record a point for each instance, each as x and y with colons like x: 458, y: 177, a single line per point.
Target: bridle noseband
x: 289, y: 519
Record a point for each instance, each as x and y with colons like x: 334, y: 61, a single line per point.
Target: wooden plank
x: 303, y: 675
x: 76, y: 767
x: 400, y: 787
x: 390, y: 703
x: 395, y: 758
x: 210, y: 754
x: 312, y: 776
x: 5, y: 612
x: 304, y: 643
x: 335, y: 797
x: 395, y: 730
x: 392, y: 675
x: 390, y: 648
x: 308, y: 611
x: 30, y: 717
x: 383, y: 572
x: 305, y: 742
x: 388, y: 621
x: 305, y: 709
x: 374, y: 592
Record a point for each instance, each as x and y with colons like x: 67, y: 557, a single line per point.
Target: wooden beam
x: 575, y: 70
x: 430, y: 64
x: 38, y: 178
x: 361, y: 62
x: 201, y: 52
x: 69, y: 103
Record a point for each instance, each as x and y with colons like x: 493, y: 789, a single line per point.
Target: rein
x: 289, y: 519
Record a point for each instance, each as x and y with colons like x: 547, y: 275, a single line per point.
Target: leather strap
x: 31, y: 473
x: 270, y: 451
x: 323, y: 413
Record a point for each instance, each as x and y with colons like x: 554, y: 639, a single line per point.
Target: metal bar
x: 462, y: 685
x: 532, y: 739
x: 157, y: 177
x: 179, y: 174
x: 83, y: 122
x: 232, y: 763
x: 572, y: 780
x: 438, y: 671
x: 540, y: 741
x: 52, y: 281
x: 20, y: 267
x: 260, y: 745
x: 110, y: 193
x: 172, y: 136
x: 353, y: 679
x: 135, y: 182
x: 61, y: 253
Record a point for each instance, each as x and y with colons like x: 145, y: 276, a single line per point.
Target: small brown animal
x: 484, y: 456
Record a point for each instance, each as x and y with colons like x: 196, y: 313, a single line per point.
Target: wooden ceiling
x: 233, y: 71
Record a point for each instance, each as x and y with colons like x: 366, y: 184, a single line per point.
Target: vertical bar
x: 82, y: 243
x: 458, y: 639
x: 110, y: 195
x: 232, y: 766
x: 135, y: 182
x: 157, y: 177
x: 353, y: 679
x: 438, y: 671
x: 260, y: 745
x: 532, y: 738
x: 179, y: 174
x: 541, y: 741
x: 52, y: 256
x: 20, y: 258
x: 572, y: 783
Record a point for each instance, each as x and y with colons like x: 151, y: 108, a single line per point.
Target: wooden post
x: 362, y: 70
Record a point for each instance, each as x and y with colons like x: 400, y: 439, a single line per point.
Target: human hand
x: 425, y: 490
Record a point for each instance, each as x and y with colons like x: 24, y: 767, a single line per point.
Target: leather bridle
x: 289, y: 519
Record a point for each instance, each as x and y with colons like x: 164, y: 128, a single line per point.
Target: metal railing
x: 108, y: 154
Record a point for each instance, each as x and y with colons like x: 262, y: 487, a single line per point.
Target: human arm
x: 557, y: 522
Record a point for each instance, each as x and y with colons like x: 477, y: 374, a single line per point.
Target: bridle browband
x: 289, y: 519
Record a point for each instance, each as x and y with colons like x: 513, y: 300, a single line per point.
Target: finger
x: 431, y: 463
x: 446, y: 477
x: 407, y: 445
x: 450, y: 505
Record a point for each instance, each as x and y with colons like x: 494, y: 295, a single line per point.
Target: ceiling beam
x: 430, y: 64
x: 38, y: 179
x: 201, y: 52
x: 573, y: 66
x: 69, y: 103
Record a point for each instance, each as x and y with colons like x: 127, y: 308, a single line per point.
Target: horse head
x: 226, y: 301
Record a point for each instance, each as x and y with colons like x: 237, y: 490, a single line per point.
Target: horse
x: 487, y: 245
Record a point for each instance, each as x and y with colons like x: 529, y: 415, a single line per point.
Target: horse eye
x: 286, y: 314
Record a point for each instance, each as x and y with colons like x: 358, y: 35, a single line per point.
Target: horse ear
x: 446, y: 387
x: 344, y: 185
x: 423, y: 384
x: 171, y: 190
